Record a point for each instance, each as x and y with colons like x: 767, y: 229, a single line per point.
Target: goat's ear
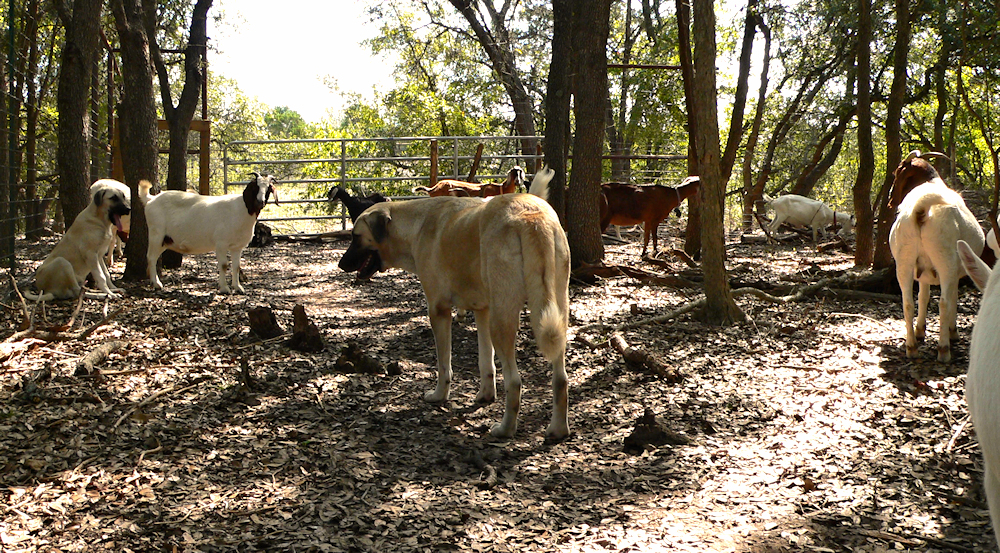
x: 378, y: 222
x: 976, y: 268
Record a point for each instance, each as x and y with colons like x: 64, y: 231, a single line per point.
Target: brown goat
x: 629, y: 204
x: 450, y: 187
x: 912, y: 172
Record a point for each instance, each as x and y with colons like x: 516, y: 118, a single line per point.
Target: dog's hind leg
x: 440, y: 316
x: 503, y: 328
x: 487, y: 366
x: 153, y: 252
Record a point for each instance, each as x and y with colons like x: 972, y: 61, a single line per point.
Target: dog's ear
x: 98, y: 197
x: 378, y: 222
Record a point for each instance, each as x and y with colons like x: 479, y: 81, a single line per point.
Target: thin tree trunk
x: 692, y: 233
x: 894, y: 110
x: 753, y: 194
x: 864, y: 239
x: 557, y: 102
x: 740, y: 100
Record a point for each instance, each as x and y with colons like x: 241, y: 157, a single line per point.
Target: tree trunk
x: 894, y: 110
x: 138, y: 124
x: 692, y: 233
x: 34, y: 216
x: 499, y: 50
x: 73, y: 103
x: 720, y: 308
x: 179, y: 117
x: 753, y: 194
x: 740, y: 100
x: 822, y: 158
x: 557, y: 102
x: 864, y: 239
x: 590, y: 39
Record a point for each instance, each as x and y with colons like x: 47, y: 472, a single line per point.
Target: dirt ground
x: 807, y: 428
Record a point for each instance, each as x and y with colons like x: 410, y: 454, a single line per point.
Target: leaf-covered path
x: 809, y: 430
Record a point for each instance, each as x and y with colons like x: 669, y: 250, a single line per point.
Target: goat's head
x: 689, y: 187
x: 913, y: 171
x: 258, y: 191
x: 515, y: 180
x: 335, y: 192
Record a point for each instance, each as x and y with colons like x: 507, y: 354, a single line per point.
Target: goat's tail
x: 144, y: 196
x: 540, y: 183
x: 545, y: 254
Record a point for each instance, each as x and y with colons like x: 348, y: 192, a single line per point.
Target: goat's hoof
x: 944, y: 354
x: 498, y: 431
x: 436, y: 396
x: 912, y: 352
x: 486, y: 397
x: 556, y: 433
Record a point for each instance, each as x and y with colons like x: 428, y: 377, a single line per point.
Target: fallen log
x: 641, y: 358
x: 89, y: 362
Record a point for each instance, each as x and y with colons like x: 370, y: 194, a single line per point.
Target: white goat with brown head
x: 932, y: 218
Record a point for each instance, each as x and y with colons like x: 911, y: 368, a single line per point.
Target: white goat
x: 807, y: 212
x: 982, y: 383
x: 932, y: 218
x: 190, y: 223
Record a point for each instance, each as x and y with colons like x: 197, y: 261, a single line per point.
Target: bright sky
x: 281, y: 52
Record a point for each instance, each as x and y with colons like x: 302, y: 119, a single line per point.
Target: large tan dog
x: 489, y: 257
x: 81, y: 250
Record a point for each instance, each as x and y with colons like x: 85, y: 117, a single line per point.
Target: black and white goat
x: 356, y: 205
x: 932, y: 218
x: 190, y: 223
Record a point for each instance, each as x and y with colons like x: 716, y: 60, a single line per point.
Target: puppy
x: 81, y: 250
x: 190, y: 223
x: 488, y: 257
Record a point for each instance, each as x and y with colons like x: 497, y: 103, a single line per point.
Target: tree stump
x: 305, y: 333
x: 263, y: 323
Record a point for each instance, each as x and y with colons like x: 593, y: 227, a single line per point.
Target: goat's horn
x: 255, y: 174
x: 911, y: 155
x: 935, y: 154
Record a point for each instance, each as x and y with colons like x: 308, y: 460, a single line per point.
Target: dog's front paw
x: 556, y: 432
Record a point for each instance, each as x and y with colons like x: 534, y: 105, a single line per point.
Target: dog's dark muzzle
x: 116, y: 213
x: 365, y: 262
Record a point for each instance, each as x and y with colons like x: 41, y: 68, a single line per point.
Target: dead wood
x: 589, y: 273
x: 263, y: 323
x: 839, y: 243
x: 637, y: 357
x: 305, y: 333
x: 487, y: 474
x: 683, y: 256
x: 651, y: 432
x: 90, y: 329
x: 88, y: 364
x: 353, y: 359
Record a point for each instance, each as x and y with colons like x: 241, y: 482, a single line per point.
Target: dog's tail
x: 47, y: 296
x: 546, y: 274
x: 144, y: 195
x: 540, y: 184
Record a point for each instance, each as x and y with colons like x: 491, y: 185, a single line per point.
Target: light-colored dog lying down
x: 487, y: 257
x: 81, y: 250
x: 190, y: 223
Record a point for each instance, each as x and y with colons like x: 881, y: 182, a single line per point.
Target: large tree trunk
x: 557, y: 102
x: 590, y: 39
x: 499, y: 48
x: 692, y: 233
x: 179, y: 117
x: 894, y: 110
x: 720, y: 308
x: 864, y: 239
x: 138, y: 123
x: 753, y: 194
x: 73, y: 103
